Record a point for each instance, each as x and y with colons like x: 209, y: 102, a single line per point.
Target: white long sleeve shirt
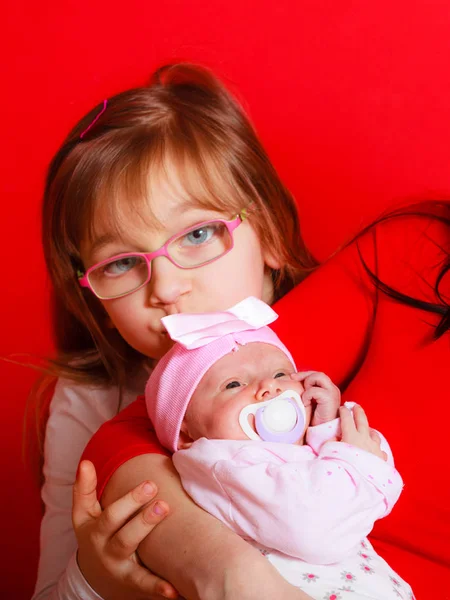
x: 76, y: 413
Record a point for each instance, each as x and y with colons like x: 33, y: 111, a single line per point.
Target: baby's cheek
x: 226, y: 425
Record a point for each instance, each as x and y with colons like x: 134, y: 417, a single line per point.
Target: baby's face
x: 254, y: 373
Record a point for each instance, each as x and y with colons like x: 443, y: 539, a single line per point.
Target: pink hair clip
x: 82, y: 134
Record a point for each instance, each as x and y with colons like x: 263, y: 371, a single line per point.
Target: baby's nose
x: 268, y: 388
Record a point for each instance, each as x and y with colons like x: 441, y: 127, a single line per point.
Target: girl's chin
x: 165, y: 345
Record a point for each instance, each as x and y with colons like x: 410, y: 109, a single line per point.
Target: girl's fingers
x: 361, y: 422
x: 126, y: 540
x: 85, y: 504
x: 150, y: 585
x: 119, y: 512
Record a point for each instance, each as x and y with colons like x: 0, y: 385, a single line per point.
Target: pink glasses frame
x: 83, y: 278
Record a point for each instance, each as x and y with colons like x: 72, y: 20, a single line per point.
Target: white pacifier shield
x: 279, y: 416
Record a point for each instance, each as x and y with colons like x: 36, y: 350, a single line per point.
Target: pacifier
x: 280, y: 419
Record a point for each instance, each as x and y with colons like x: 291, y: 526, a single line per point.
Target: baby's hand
x: 320, y: 390
x: 356, y: 431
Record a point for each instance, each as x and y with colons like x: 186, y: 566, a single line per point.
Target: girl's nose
x: 268, y: 388
x: 168, y: 282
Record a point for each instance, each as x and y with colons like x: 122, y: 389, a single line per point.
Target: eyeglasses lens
x: 119, y: 277
x: 192, y: 249
x: 200, y: 246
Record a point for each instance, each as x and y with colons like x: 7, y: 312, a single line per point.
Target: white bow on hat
x: 195, y: 330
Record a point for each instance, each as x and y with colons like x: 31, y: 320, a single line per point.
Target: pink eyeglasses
x: 192, y: 248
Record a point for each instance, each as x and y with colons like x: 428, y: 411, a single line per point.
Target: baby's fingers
x: 361, y: 421
x: 301, y: 375
x: 347, y: 423
x: 125, y: 542
x: 318, y: 394
x: 119, y: 512
x: 375, y: 437
x: 315, y: 379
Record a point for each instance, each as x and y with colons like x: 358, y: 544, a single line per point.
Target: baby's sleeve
x: 314, y: 507
x: 318, y: 435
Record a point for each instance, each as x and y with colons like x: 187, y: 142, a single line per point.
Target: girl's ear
x: 271, y: 260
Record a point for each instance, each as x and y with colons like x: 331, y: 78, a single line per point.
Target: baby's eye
x: 280, y: 374
x: 232, y: 384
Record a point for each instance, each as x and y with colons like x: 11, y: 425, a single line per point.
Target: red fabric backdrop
x: 351, y: 99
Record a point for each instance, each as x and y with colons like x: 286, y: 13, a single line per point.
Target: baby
x: 271, y: 453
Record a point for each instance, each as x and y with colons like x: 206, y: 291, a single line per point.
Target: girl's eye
x: 199, y: 236
x: 280, y: 374
x: 121, y: 265
x: 232, y: 384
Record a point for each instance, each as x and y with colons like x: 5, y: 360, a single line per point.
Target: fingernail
x: 164, y: 592
x: 149, y: 489
x: 159, y: 509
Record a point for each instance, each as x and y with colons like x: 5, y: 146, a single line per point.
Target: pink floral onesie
x: 307, y: 508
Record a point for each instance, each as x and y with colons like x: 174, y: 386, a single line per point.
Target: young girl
x: 261, y: 447
x: 175, y: 162
x: 163, y: 167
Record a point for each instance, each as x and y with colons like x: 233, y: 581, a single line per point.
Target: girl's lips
x: 158, y: 328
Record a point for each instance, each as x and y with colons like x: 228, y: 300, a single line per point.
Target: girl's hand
x: 108, y: 540
x: 356, y: 431
x: 320, y: 390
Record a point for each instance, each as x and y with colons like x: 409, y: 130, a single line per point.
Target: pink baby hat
x: 202, y: 339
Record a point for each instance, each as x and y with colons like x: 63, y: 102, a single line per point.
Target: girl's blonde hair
x: 185, y: 122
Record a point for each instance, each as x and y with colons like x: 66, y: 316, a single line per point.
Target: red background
x: 351, y: 99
